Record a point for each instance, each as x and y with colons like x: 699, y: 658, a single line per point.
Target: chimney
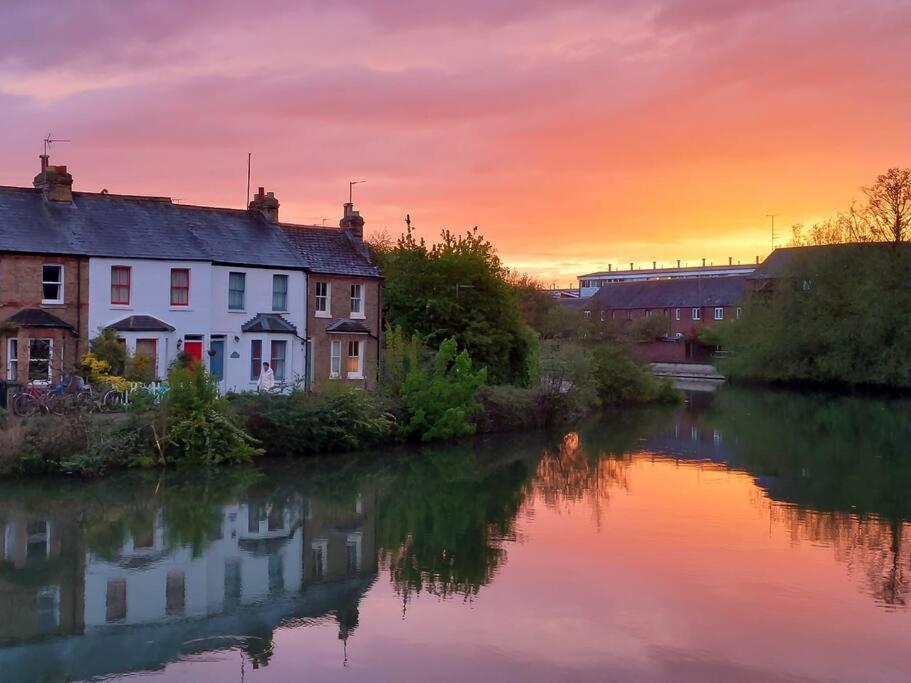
x: 730, y: 260
x: 54, y: 182
x: 630, y: 265
x: 352, y: 223
x: 609, y: 267
x: 266, y: 204
x: 757, y: 260
x: 703, y: 263
x: 678, y: 262
x: 654, y: 265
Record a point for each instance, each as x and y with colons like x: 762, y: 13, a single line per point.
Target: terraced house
x: 229, y: 287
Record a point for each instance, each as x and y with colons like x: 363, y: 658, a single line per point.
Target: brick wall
x: 340, y: 309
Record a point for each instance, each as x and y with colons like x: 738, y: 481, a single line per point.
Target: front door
x: 193, y: 348
x: 217, y: 359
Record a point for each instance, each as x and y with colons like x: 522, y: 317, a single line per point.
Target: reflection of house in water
x: 41, y: 565
x: 152, y: 601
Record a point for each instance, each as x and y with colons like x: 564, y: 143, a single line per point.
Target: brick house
x: 344, y: 302
x: 685, y: 306
x: 43, y: 286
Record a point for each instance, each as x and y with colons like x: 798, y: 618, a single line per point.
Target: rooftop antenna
x: 249, y: 160
x: 772, y: 216
x: 351, y: 185
x: 48, y: 141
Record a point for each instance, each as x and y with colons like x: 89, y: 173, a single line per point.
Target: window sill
x: 358, y: 316
x: 354, y: 375
x: 121, y: 307
x: 179, y: 308
x: 322, y: 314
x: 52, y: 303
x: 283, y: 312
x: 237, y: 310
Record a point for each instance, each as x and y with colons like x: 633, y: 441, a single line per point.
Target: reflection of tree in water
x: 446, y: 516
x: 879, y: 550
x: 570, y: 473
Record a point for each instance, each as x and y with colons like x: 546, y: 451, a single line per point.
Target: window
x: 322, y: 298
x: 149, y: 349
x: 175, y: 594
x: 116, y: 600
x: 648, y: 313
x: 52, y: 285
x: 40, y: 352
x: 353, y: 364
x: 279, y: 292
x: 335, y: 359
x: 12, y: 360
x: 697, y: 314
x: 120, y: 285
x: 629, y: 315
x: 676, y: 314
x: 588, y: 315
x: 602, y: 316
x: 357, y: 302
x: 237, y: 288
x: 180, y: 287
x: 256, y: 358
x: 719, y: 313
x: 279, y: 349
x: 739, y: 312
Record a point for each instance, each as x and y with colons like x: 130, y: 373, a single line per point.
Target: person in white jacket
x: 266, y: 379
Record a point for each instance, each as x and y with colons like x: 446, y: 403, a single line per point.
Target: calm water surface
x: 750, y: 536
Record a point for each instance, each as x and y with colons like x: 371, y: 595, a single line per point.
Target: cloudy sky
x: 574, y: 133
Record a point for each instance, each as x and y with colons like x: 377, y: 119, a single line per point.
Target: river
x: 748, y: 536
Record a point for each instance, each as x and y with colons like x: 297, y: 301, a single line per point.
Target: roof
x: 141, y: 323
x: 121, y: 226
x: 268, y: 322
x: 36, y: 317
x: 689, y: 292
x: 687, y: 271
x: 330, y: 251
x: 348, y: 327
x: 786, y: 261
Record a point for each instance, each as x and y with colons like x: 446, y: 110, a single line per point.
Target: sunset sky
x: 574, y: 133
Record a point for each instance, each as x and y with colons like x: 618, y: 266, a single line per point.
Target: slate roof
x: 268, y: 322
x: 141, y: 323
x: 330, y: 251
x: 121, y: 226
x: 791, y: 261
x: 37, y: 317
x: 683, y: 293
x: 348, y: 327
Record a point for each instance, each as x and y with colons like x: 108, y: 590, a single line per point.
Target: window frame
x: 59, y: 283
x: 278, y: 364
x: 738, y: 312
x: 358, y: 373
x: 280, y: 277
x: 243, y: 291
x: 12, y: 360
x: 128, y: 285
x: 326, y: 299
x: 256, y: 359
x: 719, y: 313
x: 180, y: 288
x: 676, y: 314
x: 696, y: 313
x: 359, y: 300
x: 49, y: 360
x: 335, y: 359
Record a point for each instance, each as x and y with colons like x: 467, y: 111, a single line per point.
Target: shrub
x: 440, y: 402
x: 302, y: 423
x: 199, y: 424
x: 620, y: 379
x: 140, y: 368
x: 107, y: 348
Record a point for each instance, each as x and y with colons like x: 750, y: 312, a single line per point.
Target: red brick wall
x: 340, y: 308
x: 20, y: 287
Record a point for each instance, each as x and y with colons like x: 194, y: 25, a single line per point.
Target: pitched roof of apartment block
x: 120, y: 226
x: 683, y: 293
x: 330, y: 251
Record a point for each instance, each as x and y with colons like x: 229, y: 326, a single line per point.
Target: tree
x: 887, y: 215
x: 458, y: 288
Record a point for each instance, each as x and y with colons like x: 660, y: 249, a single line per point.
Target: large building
x: 232, y: 288
x: 591, y: 282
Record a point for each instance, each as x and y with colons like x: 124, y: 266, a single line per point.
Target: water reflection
x: 138, y: 572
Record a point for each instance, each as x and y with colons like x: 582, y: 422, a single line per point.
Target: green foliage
x: 440, y: 401
x: 649, y: 328
x: 140, y: 368
x: 106, y: 347
x: 302, y: 423
x: 842, y: 317
x: 199, y: 421
x: 458, y: 289
x: 402, y: 353
x: 620, y: 379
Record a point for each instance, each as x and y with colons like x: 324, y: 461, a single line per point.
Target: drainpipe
x: 379, y: 326
x: 308, y: 343
x: 78, y: 308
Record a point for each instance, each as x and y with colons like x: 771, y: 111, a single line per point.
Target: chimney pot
x: 703, y: 263
x: 678, y: 262
x: 266, y: 204
x: 730, y: 260
x: 351, y: 222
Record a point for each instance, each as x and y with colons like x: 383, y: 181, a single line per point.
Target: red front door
x: 193, y: 349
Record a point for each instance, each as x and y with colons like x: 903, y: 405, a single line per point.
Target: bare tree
x: 887, y: 214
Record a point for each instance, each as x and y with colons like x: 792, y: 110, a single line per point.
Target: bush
x: 107, y: 348
x: 506, y: 408
x: 620, y: 379
x: 199, y: 425
x: 140, y: 368
x: 439, y: 402
x: 301, y: 423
